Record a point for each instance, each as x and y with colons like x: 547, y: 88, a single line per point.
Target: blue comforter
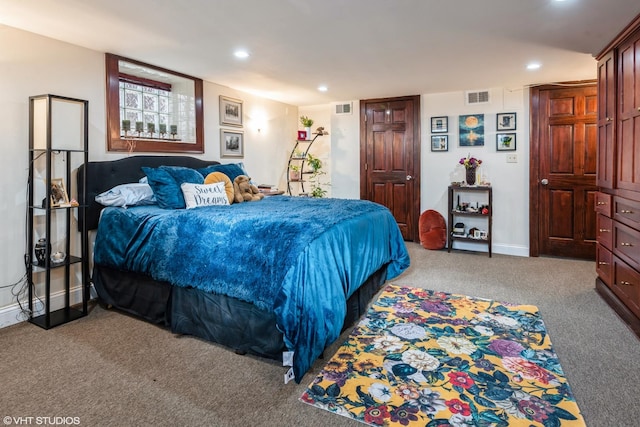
x: 300, y: 258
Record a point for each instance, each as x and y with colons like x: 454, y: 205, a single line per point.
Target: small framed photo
x: 231, y: 143
x: 230, y: 111
x: 439, y: 142
x: 302, y: 135
x: 506, y: 142
x: 439, y: 124
x: 505, y: 121
x: 59, y: 196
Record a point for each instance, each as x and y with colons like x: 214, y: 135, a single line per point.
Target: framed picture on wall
x: 231, y: 143
x: 506, y: 142
x: 230, y: 111
x: 439, y: 124
x: 439, y: 142
x: 505, y: 121
x: 471, y: 130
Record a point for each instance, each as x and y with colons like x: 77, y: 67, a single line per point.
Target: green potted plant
x: 294, y: 173
x: 306, y: 124
x: 314, y: 162
x: 316, y: 166
x: 318, y: 192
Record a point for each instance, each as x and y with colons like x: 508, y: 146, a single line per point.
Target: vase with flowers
x: 470, y: 164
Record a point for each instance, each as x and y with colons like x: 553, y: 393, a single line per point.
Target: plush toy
x: 244, y: 191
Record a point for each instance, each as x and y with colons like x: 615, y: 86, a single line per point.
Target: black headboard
x: 103, y: 175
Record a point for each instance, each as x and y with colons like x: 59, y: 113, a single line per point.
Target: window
x: 151, y: 109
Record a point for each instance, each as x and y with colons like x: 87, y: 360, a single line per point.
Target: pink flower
x: 526, y: 369
x: 470, y: 162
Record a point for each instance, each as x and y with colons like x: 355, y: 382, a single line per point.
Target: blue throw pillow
x: 166, y: 181
x: 232, y: 170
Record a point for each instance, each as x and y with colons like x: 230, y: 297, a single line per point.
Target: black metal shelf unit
x: 58, y: 143
x: 298, y: 158
x: 456, y: 211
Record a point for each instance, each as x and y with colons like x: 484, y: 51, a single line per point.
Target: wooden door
x: 628, y: 115
x: 606, y: 121
x: 563, y: 170
x: 390, y: 158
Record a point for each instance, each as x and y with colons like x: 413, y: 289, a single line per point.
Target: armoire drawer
x: 626, y: 211
x: 626, y: 285
x: 603, y: 204
x: 604, y: 265
x: 604, y: 231
x: 626, y: 244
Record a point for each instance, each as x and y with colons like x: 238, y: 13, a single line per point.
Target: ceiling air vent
x: 344, y: 108
x: 477, y: 97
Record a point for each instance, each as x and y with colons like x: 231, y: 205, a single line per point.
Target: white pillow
x: 196, y: 195
x: 133, y: 194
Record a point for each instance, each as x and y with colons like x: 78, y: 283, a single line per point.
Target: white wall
x: 345, y: 153
x: 34, y: 65
x: 510, y: 181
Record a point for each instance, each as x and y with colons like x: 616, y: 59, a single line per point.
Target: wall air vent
x: 346, y: 108
x: 477, y: 97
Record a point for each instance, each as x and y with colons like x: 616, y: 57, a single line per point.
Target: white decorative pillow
x: 196, y: 195
x: 134, y: 194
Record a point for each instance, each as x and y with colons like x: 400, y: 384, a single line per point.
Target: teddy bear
x: 244, y: 191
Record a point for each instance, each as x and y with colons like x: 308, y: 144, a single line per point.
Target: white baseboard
x: 495, y: 248
x: 511, y: 250
x: 11, y: 314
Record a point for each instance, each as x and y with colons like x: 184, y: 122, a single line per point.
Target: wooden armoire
x: 618, y: 175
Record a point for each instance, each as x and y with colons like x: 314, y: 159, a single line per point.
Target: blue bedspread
x: 300, y: 258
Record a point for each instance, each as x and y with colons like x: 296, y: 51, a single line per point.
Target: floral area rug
x: 425, y: 358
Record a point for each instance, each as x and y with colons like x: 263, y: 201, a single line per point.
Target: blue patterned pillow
x: 165, y: 182
x: 232, y: 170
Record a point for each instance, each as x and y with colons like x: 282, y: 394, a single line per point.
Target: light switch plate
x: 512, y: 158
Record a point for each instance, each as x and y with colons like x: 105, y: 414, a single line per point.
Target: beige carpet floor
x: 110, y: 369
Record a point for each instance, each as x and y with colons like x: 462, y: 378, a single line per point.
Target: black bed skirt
x: 236, y: 324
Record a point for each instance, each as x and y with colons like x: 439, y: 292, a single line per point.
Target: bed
x: 285, y: 274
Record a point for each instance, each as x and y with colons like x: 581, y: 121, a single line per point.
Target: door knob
x: 545, y: 181
x: 409, y: 177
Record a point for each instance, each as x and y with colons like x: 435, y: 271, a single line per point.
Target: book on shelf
x: 267, y: 187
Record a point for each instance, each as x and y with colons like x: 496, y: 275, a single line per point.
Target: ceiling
x: 359, y: 49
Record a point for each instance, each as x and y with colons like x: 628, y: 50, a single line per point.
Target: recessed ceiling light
x: 241, y: 54
x: 533, y: 66
x: 323, y: 88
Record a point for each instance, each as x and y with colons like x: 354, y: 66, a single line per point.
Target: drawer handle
x: 605, y: 230
x: 603, y: 263
x: 626, y: 211
x: 601, y: 203
x: 609, y: 119
x: 624, y: 283
x: 626, y: 244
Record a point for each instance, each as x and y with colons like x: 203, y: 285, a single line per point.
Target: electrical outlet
x: 512, y: 158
